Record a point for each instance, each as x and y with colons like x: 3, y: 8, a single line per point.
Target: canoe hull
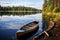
x: 26, y: 34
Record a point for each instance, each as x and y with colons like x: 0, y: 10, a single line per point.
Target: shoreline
x: 54, y: 33
x: 18, y: 11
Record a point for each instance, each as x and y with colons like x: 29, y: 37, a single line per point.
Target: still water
x: 9, y: 25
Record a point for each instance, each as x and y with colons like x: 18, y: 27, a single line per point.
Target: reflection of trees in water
x: 17, y: 13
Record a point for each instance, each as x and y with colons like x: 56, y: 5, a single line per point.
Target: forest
x: 18, y: 9
x: 51, y: 10
x: 51, y: 6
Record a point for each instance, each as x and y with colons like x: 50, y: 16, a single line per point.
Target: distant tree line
x: 19, y: 8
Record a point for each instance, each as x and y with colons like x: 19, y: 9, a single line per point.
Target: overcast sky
x: 28, y: 3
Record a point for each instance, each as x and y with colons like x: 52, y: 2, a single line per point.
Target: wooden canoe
x: 42, y: 35
x: 27, y: 30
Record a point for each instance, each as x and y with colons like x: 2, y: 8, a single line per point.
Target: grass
x: 51, y: 15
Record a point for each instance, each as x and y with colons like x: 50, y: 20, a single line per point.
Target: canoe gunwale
x: 28, y: 25
x: 28, y: 29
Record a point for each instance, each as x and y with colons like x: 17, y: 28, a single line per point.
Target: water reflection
x: 10, y: 24
x: 17, y: 13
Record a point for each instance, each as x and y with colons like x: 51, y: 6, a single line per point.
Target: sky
x: 27, y: 3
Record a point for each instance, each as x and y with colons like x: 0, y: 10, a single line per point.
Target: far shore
x: 18, y: 11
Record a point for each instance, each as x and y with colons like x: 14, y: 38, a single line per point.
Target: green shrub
x: 56, y: 10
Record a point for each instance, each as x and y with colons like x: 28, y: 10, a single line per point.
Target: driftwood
x: 45, y: 32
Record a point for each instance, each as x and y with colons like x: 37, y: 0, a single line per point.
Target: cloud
x: 37, y: 5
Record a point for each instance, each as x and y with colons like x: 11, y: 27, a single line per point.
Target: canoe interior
x: 29, y: 25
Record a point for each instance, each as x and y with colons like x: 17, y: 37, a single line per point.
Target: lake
x: 10, y: 24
